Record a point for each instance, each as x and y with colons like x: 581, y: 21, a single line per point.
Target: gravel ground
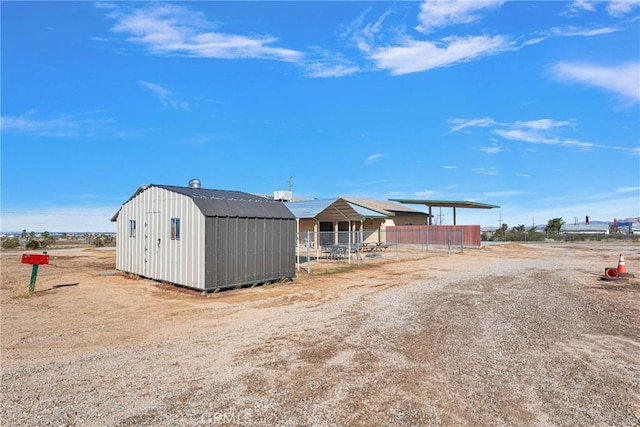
x: 503, y: 335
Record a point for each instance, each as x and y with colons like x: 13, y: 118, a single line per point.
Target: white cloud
x: 627, y: 190
x: 615, y: 8
x: 541, y: 131
x: 373, y: 158
x: 503, y: 193
x: 572, y: 31
x: 169, y: 29
x: 450, y: 167
x: 328, y: 64
x: 622, y: 7
x: 165, y: 96
x: 460, y: 124
x: 579, y: 5
x: 493, y: 149
x: 486, y: 171
x: 326, y: 70
x: 623, y: 80
x: 364, y: 35
x: 415, y: 56
x: 537, y: 137
x: 542, y: 124
x: 61, y: 126
x: 425, y: 193
x: 442, y: 13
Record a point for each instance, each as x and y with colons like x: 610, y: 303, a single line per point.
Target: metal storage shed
x: 204, y: 239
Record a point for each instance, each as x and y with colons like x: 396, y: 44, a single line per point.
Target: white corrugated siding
x: 177, y: 261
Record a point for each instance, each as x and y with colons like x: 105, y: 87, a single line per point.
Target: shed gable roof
x: 226, y: 203
x: 223, y: 203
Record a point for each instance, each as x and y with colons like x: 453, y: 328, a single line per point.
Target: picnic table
x: 374, y: 247
x: 335, y: 251
x: 341, y: 251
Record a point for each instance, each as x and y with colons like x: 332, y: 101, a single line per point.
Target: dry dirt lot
x: 504, y: 335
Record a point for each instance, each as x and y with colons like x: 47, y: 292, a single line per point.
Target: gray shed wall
x: 241, y: 251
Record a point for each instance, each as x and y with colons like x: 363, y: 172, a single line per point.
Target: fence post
x: 426, y: 240
x: 308, y: 239
x: 449, y: 241
x: 358, y: 245
x: 397, y: 240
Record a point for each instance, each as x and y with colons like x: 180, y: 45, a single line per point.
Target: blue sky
x: 533, y: 106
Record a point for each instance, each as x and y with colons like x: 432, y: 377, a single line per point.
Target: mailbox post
x: 35, y: 260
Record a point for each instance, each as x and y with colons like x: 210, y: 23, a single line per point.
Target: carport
x: 445, y: 204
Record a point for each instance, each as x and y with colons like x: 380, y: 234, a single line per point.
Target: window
x: 175, y: 228
x: 132, y: 228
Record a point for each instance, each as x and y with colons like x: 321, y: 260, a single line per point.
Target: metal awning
x: 347, y: 211
x: 446, y: 204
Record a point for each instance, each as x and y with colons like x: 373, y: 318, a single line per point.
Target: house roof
x: 342, y: 208
x: 384, y: 207
x: 223, y: 203
x: 585, y: 228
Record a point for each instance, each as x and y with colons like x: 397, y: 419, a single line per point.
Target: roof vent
x: 194, y: 183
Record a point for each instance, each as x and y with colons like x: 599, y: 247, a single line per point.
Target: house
x: 204, y: 239
x: 332, y: 221
x: 348, y: 220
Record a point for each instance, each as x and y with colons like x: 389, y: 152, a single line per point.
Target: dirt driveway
x: 503, y: 335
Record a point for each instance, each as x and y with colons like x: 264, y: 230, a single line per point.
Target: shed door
x: 152, y: 244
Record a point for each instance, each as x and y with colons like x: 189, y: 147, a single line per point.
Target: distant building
x: 585, y: 229
x: 626, y: 227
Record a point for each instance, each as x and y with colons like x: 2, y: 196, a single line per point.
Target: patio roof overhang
x: 446, y: 204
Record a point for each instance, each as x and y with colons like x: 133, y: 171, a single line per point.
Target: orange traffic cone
x: 622, y: 269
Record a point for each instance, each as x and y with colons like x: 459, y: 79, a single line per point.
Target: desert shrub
x: 32, y: 244
x: 11, y: 243
x: 103, y: 240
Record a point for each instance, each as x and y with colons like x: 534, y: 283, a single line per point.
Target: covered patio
x: 332, y: 227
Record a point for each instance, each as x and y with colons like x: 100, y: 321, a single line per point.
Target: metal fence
x: 326, y: 250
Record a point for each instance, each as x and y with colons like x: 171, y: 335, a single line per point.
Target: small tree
x: 46, y: 239
x: 553, y: 226
x: 501, y: 233
x: 24, y: 237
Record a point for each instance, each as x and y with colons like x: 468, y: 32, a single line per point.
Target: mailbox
x: 35, y: 259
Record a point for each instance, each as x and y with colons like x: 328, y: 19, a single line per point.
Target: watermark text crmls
x: 217, y: 418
